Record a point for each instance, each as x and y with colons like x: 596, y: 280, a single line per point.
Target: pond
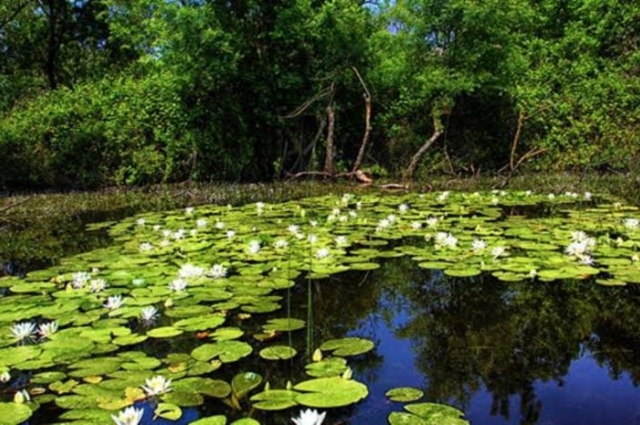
x: 488, y: 308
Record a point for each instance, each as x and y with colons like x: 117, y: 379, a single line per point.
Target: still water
x: 504, y: 353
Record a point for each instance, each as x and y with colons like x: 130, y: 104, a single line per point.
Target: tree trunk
x: 367, y: 120
x: 329, y: 161
x: 437, y: 132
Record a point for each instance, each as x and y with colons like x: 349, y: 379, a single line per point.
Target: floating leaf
x: 330, y: 392
x: 14, y: 413
x: 275, y: 399
x: 244, y: 382
x: 278, y: 352
x: 347, y: 346
x: 168, y: 411
x: 404, y: 394
x: 286, y: 324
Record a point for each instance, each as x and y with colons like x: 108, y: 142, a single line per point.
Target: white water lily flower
x: 586, y: 259
x: 129, y: 416
x: 165, y: 243
x: 79, y: 279
x: 178, y: 234
x: 156, y: 227
x: 343, y: 218
x: 391, y: 218
x: 533, y: 273
x: 141, y: 221
x: 415, y: 225
x: 189, y: 270
x: 166, y: 233
x: 157, y: 385
x: 193, y: 232
x: 445, y: 240
x: 631, y: 223
x: 254, y: 247
x: 383, y: 224
x: 178, y: 285
x: 478, y: 245
x: 495, y: 201
x: 309, y: 417
x: 45, y: 330
x: 5, y: 377
x: 23, y: 330
x: 353, y: 214
x: 189, y: 210
x: 280, y: 243
x: 230, y: 234
x: 432, y: 222
x: 312, y: 239
x: 588, y: 196
x: 146, y: 246
x: 551, y: 196
x: 218, y: 271
x: 341, y: 240
x: 21, y: 397
x: 114, y: 302
x: 323, y: 253
x: 149, y: 314
x: 201, y: 222
x: 498, y: 251
x: 335, y: 212
x: 443, y: 196
x: 528, y: 193
x: 403, y: 208
x: 313, y: 223
x: 293, y: 229
x: 97, y: 285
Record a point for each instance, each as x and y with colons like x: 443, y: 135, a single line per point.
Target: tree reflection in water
x: 475, y: 335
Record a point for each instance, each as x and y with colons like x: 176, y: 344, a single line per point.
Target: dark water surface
x: 504, y: 353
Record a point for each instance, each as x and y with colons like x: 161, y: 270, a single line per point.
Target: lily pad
x: 350, y: 346
x: 330, y: 392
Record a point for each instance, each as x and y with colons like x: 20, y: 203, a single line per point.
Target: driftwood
x: 413, y: 164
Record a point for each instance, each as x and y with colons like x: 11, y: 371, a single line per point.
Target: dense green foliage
x: 101, y: 92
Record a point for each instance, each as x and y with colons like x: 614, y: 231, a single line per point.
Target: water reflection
x: 505, y: 353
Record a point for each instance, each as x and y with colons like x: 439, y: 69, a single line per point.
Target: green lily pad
x: 330, y: 392
x: 286, y: 324
x: 245, y: 382
x: 211, y: 420
x: 168, y: 411
x: 14, y: 413
x: 278, y: 352
x: 404, y: 394
x: 164, y: 332
x: 275, y: 399
x: 350, y: 346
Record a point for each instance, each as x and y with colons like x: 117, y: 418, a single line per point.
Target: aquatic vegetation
x: 309, y: 417
x: 206, y: 288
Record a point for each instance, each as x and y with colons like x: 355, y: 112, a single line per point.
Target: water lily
x: 533, y: 273
x: 141, y: 221
x: 403, y: 208
x: 383, y: 224
x: 631, y: 223
x: 443, y: 196
x: 178, y: 285
x: 230, y: 234
x: 432, y: 222
x: 157, y: 385
x: 21, y: 397
x: 5, y: 377
x: 588, y: 196
x: 280, y: 243
x: 293, y: 229
x: 309, y: 417
x: 189, y: 270
x: 478, y: 245
x: 114, y: 302
x: 341, y: 240
x: 178, y: 234
x: 146, y: 246
x: 218, y: 271
x: 165, y: 243
x: 166, y: 233
x: 129, y: 416
x: 323, y: 253
x: 97, y: 285
x: 528, y: 193
x: 45, y: 330
x: 586, y: 259
x: 312, y: 239
x: 80, y: 279
x: 445, y: 240
x: 313, y: 223
x: 148, y: 314
x: 498, y: 251
x: 415, y: 225
x: 392, y: 218
x: 254, y: 247
x: 23, y: 330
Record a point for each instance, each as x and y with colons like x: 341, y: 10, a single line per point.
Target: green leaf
x: 404, y: 394
x: 330, y: 392
x: 350, y: 346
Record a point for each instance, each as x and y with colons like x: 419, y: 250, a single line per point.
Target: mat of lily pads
x: 189, y: 280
